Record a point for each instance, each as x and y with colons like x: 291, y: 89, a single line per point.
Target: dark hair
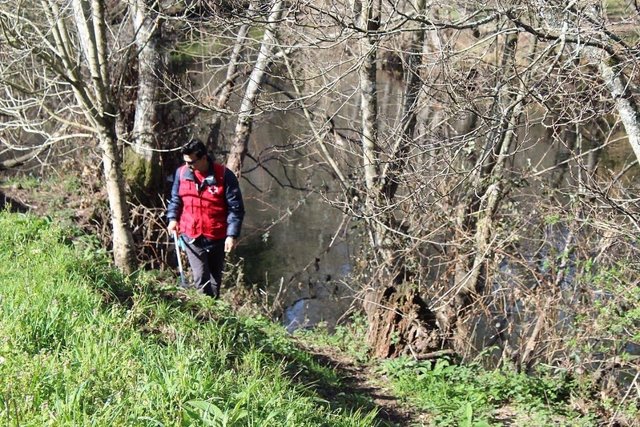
x: 194, y: 147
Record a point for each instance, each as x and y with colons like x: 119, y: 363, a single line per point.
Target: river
x: 299, y: 249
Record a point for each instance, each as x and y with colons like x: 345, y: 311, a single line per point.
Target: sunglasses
x: 191, y: 162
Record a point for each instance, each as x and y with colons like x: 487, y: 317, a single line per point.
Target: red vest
x: 204, y: 209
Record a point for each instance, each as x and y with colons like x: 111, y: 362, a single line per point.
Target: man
x: 206, y: 208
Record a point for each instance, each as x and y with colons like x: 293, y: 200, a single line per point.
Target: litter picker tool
x: 175, y: 241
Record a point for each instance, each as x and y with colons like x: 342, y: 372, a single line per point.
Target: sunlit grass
x: 468, y: 395
x: 82, y: 345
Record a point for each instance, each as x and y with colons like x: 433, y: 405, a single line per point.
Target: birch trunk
x: 123, y: 245
x: 89, y: 20
x: 369, y: 96
x: 611, y: 70
x: 230, y: 79
x: 624, y: 101
x: 240, y: 142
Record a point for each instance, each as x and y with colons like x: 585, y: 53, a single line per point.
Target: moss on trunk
x: 142, y: 177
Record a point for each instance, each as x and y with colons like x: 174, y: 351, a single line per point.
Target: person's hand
x: 173, y: 226
x: 230, y: 244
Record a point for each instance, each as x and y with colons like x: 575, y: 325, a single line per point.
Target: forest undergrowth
x: 82, y: 345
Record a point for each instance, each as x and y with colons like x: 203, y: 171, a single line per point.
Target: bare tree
x: 480, y: 94
x: 468, y: 143
x: 238, y: 148
x: 586, y: 29
x: 67, y: 48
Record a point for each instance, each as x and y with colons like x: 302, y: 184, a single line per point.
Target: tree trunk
x: 369, y: 97
x: 477, y: 215
x: 624, y: 101
x: 224, y: 94
x: 378, y: 313
x: 400, y: 322
x: 142, y: 165
x: 409, y: 113
x: 240, y: 143
x: 89, y: 19
x: 123, y: 244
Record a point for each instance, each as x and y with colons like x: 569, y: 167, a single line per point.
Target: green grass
x: 348, y: 338
x: 50, y: 195
x: 27, y: 182
x: 82, y: 345
x: 468, y: 395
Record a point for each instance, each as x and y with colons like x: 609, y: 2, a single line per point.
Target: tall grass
x: 82, y: 345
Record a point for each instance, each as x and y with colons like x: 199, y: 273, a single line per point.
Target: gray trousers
x: 206, y: 258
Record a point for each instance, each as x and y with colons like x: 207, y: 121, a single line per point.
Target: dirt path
x: 359, y: 382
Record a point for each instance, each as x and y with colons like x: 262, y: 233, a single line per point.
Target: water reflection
x: 291, y: 236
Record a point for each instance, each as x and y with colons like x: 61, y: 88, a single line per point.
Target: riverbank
x: 84, y: 345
